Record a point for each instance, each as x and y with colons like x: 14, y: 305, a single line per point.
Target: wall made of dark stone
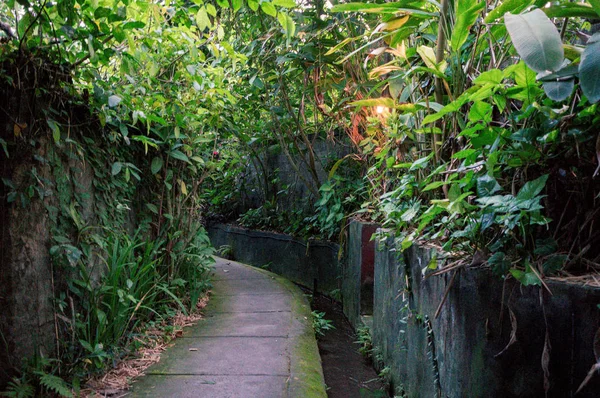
x: 460, y: 354
x: 312, y: 264
x: 463, y: 352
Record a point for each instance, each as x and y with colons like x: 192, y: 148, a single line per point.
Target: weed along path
x: 255, y: 341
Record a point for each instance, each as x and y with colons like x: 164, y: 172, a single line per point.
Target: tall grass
x: 138, y: 281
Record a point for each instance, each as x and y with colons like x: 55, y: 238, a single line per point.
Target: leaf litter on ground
x: 115, y: 382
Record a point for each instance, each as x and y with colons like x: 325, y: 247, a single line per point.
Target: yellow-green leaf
x: 202, y: 19
x: 268, y: 9
x: 382, y: 101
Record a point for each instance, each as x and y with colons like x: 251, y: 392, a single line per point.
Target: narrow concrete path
x: 255, y: 341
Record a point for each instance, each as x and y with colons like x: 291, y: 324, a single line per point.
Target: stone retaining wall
x: 465, y: 351
x: 312, y: 264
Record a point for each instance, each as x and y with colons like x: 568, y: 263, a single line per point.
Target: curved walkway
x: 255, y: 341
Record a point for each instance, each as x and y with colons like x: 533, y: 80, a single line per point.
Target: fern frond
x: 18, y: 389
x: 56, y: 384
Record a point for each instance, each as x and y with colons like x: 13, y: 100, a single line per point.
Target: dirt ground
x: 347, y: 373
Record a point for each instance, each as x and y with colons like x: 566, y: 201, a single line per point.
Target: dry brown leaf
x: 18, y: 128
x: 546, y: 362
x: 513, y: 333
x: 587, y: 379
x: 114, y: 382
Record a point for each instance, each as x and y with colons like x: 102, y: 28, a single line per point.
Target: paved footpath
x: 256, y: 340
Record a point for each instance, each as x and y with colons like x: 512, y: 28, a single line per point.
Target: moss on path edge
x: 306, y: 372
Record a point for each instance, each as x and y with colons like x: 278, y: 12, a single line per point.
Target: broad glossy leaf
x: 53, y: 126
x: 211, y: 10
x: 102, y: 12
x: 428, y: 56
x: 532, y: 188
x: 487, y: 186
x: 480, y: 111
x: 287, y: 23
x: 559, y: 90
x: 499, y: 263
x: 268, y: 8
x: 114, y: 100
x: 133, y: 25
x: 526, y: 278
x: 451, y: 107
x: 177, y: 154
x: 116, y: 168
x: 395, y: 23
x: 253, y: 4
x: 202, y: 20
x: 596, y: 5
x: 536, y: 39
x: 589, y: 69
x: 494, y: 76
x: 236, y: 5
x: 157, y: 164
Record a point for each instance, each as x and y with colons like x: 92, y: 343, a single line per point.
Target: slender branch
x: 439, y: 57
x: 39, y: 14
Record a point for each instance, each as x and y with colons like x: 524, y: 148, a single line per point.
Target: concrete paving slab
x: 263, y: 303
x: 248, y: 324
x: 225, y: 270
x: 211, y: 386
x: 237, y: 287
x: 256, y: 341
x: 225, y: 356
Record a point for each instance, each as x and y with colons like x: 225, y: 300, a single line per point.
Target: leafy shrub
x: 365, y: 341
x: 320, y: 324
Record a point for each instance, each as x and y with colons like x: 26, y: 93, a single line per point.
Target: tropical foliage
x: 469, y: 124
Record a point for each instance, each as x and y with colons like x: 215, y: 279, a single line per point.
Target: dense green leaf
x: 450, y: 108
x: 202, y: 20
x: 284, y: 3
x: 467, y: 12
x: 374, y: 102
x: 116, y: 168
x: 487, y: 186
x: 532, y: 188
x: 177, y: 154
x: 236, y: 5
x: 480, y: 111
x: 512, y: 6
x: 536, y: 39
x: 570, y: 10
x: 404, y: 6
x: 268, y: 8
x: 499, y: 263
x: 527, y: 278
x: 589, y: 69
x: 55, y: 130
x: 559, y: 90
x: 114, y: 100
x: 596, y: 5
x: 157, y: 164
